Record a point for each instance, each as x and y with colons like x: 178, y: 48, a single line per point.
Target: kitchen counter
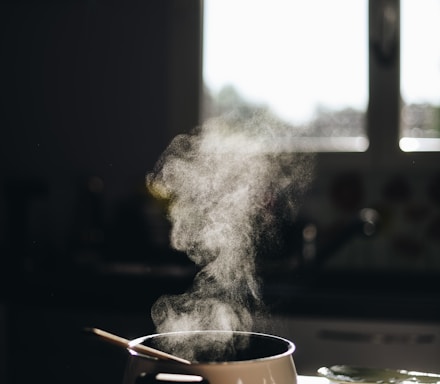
x: 331, y: 321
x: 312, y: 380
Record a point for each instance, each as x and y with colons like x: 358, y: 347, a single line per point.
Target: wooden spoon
x: 140, y: 348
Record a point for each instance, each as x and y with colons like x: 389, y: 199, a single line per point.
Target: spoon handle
x: 140, y: 348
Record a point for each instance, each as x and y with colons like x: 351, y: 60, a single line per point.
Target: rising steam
x: 227, y: 185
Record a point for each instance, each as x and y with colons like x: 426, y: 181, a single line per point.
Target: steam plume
x: 227, y: 183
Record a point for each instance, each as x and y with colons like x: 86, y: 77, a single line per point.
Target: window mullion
x: 384, y: 81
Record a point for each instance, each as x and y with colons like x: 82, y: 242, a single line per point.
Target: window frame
x: 384, y: 107
x: 383, y: 116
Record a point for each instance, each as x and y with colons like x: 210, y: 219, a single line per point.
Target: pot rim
x: 289, y: 344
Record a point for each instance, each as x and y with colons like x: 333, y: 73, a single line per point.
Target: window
x: 420, y: 75
x: 329, y: 69
x: 308, y: 69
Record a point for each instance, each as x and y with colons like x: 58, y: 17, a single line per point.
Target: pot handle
x: 169, y: 378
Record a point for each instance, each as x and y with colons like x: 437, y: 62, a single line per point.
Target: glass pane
x: 420, y: 75
x: 306, y: 62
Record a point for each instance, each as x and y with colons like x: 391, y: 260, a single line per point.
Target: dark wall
x: 83, y: 89
x: 83, y: 96
x: 86, y: 106
x: 89, y: 99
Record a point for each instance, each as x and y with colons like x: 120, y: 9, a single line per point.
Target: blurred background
x: 93, y: 91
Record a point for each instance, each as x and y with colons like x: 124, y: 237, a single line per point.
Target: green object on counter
x: 352, y: 374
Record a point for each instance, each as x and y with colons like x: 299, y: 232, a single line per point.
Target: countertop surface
x: 312, y: 380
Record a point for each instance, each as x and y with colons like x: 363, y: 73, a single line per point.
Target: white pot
x: 244, y: 358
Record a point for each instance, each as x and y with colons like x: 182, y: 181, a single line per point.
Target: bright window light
x: 305, y: 61
x: 420, y: 75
